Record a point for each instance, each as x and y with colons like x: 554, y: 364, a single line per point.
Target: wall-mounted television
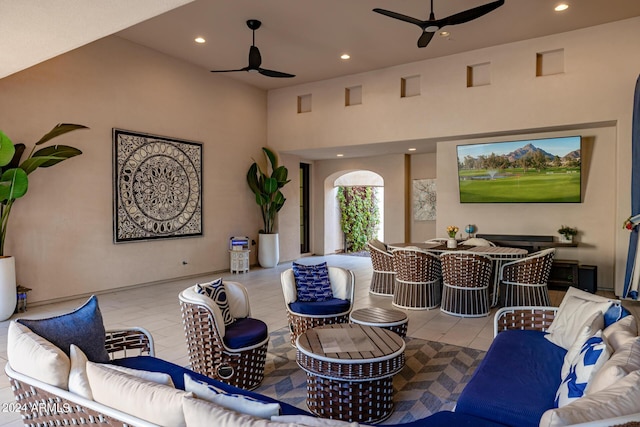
x: 527, y: 171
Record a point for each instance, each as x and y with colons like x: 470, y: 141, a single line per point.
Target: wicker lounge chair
x: 524, y: 282
x: 383, y: 278
x: 418, y: 281
x: 303, y: 316
x: 465, y: 278
x: 211, y: 352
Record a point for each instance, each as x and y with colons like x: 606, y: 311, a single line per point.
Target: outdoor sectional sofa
x: 42, y: 378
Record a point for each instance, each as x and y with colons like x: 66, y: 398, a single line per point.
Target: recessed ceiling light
x: 199, y: 40
x: 445, y: 33
x: 340, y: 155
x: 345, y: 56
x: 561, y: 7
x: 412, y: 149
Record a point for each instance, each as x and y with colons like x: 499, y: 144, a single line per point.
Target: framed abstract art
x: 157, y: 187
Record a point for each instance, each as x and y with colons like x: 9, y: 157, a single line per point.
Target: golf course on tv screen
x: 527, y: 171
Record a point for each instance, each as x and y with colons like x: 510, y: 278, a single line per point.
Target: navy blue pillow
x: 312, y: 282
x: 82, y: 327
x: 614, y: 313
x: 218, y: 293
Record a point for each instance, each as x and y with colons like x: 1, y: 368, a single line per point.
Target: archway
x: 333, y: 236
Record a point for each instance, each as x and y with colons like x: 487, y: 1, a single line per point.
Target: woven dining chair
x: 234, y: 354
x: 383, y: 278
x: 465, y: 283
x: 524, y: 281
x: 418, y: 284
x: 307, y: 315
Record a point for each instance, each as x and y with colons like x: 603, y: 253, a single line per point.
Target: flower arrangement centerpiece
x: 452, y: 230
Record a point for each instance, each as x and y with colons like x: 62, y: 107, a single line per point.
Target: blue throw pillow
x: 592, y: 356
x: 615, y: 313
x: 218, y: 293
x: 82, y: 327
x: 312, y: 282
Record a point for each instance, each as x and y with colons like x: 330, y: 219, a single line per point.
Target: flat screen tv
x: 527, y: 171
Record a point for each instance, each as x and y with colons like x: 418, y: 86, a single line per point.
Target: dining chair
x: 383, y: 278
x: 305, y: 311
x: 465, y: 283
x: 418, y: 285
x: 223, y: 340
x: 524, y: 281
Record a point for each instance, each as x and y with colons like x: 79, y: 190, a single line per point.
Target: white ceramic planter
x: 452, y: 243
x: 268, y: 250
x: 564, y: 239
x: 8, y: 294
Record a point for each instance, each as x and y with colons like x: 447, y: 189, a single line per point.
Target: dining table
x: 498, y: 254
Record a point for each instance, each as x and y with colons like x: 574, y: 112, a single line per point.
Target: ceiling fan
x: 255, y: 59
x: 432, y: 25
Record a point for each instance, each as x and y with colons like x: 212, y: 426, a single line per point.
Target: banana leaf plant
x: 14, y: 181
x: 267, y: 188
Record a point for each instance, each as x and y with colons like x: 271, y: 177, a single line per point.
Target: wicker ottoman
x: 350, y: 371
x: 393, y: 320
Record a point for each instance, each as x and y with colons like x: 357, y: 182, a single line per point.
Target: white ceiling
x: 306, y: 37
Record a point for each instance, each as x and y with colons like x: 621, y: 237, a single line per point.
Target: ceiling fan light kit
x: 433, y: 25
x: 255, y: 59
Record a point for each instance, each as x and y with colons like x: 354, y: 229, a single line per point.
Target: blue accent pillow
x: 312, y: 282
x: 592, y: 356
x: 615, y: 313
x: 82, y: 327
x: 218, y: 293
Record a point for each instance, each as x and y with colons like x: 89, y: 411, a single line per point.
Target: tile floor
x: 156, y: 308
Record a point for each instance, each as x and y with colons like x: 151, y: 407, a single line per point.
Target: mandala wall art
x: 424, y: 199
x: 157, y: 185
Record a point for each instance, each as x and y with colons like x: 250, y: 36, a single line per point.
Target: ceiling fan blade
x: 425, y: 38
x: 471, y: 14
x: 255, y: 59
x: 401, y: 17
x: 272, y: 73
x: 230, y: 71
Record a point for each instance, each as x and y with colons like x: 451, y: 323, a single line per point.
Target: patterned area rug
x: 432, y: 379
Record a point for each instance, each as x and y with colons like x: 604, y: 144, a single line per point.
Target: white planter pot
x: 8, y: 294
x: 268, y: 250
x: 452, y: 243
x: 564, y: 239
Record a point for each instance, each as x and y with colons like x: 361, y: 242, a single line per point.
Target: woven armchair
x: 383, y: 278
x: 418, y: 281
x: 342, y: 286
x: 42, y: 404
x: 209, y: 353
x: 523, y: 318
x: 465, y: 278
x: 524, y: 282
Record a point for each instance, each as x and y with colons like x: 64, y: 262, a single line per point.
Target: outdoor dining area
x: 465, y: 280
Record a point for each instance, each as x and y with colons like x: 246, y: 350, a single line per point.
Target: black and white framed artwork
x: 157, y: 186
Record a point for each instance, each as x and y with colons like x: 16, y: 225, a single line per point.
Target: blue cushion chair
x: 330, y: 309
x: 233, y: 351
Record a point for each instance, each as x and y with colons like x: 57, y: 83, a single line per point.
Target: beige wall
x: 601, y: 65
x: 61, y: 232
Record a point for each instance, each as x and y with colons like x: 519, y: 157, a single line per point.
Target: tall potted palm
x: 269, y: 198
x: 14, y: 183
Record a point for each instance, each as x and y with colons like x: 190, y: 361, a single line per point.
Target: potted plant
x: 14, y: 183
x: 567, y: 233
x: 269, y: 198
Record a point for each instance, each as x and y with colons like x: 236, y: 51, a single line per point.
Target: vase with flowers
x: 452, y: 230
x: 567, y: 233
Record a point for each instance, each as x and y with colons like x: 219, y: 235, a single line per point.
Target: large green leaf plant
x: 267, y: 188
x: 14, y: 181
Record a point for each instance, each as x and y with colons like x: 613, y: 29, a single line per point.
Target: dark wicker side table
x: 393, y: 320
x: 350, y: 371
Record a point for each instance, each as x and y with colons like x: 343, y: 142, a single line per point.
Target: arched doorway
x: 333, y: 236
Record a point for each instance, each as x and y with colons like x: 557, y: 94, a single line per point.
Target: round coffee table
x: 393, y: 320
x: 349, y: 370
